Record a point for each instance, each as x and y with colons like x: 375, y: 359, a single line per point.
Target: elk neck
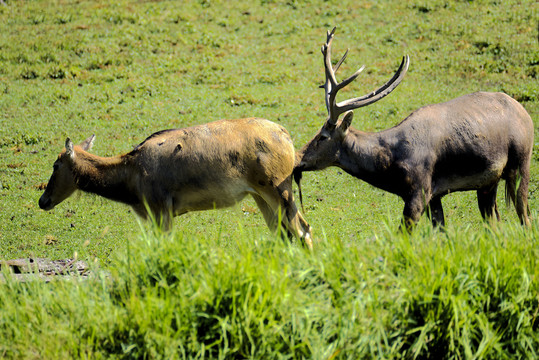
x: 368, y: 156
x: 109, y: 177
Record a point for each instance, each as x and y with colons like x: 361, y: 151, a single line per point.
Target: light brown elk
x: 468, y: 143
x: 204, y: 167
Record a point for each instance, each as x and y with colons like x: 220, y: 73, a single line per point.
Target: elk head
x: 324, y: 148
x: 62, y: 182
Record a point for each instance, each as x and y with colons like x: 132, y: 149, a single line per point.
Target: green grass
x: 126, y: 69
x: 465, y: 293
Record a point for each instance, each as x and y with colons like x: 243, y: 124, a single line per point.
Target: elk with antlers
x: 468, y: 143
x: 204, y: 167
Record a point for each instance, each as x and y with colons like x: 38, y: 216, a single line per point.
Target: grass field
x: 222, y: 285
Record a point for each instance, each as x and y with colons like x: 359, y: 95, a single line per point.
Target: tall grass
x: 454, y: 294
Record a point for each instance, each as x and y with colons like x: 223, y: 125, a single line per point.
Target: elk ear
x: 346, y: 121
x: 69, y: 148
x: 87, y: 144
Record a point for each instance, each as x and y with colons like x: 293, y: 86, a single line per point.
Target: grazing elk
x: 204, y: 167
x: 468, y: 143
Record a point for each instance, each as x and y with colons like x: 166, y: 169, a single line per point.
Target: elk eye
x: 324, y: 136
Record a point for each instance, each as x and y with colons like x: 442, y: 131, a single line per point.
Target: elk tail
x: 297, y: 178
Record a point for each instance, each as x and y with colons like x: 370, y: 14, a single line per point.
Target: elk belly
x: 470, y: 181
x: 212, y: 196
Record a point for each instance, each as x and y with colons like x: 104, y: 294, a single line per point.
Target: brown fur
x: 204, y: 167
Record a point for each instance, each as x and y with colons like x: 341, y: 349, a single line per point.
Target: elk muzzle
x: 45, y: 202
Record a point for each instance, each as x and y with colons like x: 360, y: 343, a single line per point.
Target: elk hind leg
x: 522, y: 200
x: 486, y: 200
x: 519, y: 196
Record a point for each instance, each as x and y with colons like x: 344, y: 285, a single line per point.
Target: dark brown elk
x: 204, y: 167
x: 468, y: 143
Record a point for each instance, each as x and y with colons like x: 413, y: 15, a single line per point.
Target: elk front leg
x: 436, y: 212
x: 298, y: 225
x: 166, y: 221
x: 413, y: 209
x: 293, y: 220
x: 486, y: 200
x: 163, y: 213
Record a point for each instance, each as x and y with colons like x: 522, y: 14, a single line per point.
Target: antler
x: 331, y: 85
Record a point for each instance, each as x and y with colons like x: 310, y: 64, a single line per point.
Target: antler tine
x: 332, y: 87
x: 339, y: 65
x: 330, y: 35
x: 350, y: 79
x: 341, y: 61
x: 326, y: 51
x: 379, y: 93
x: 330, y: 76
